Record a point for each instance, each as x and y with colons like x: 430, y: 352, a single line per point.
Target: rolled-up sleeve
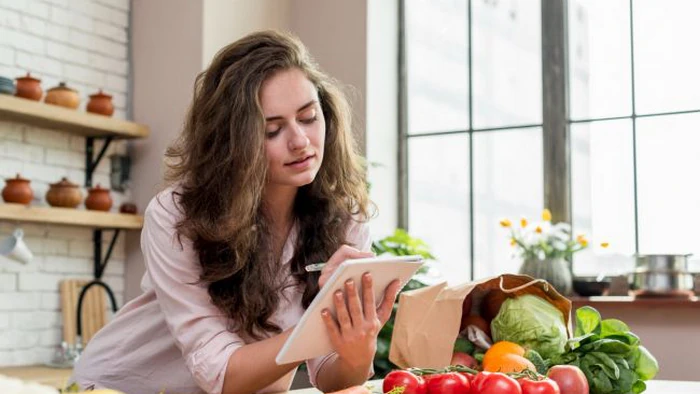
x: 359, y: 237
x: 198, y: 327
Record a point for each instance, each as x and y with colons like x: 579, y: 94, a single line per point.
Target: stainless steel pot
x: 662, y: 262
x: 667, y: 282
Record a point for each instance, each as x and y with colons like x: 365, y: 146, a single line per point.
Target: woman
x: 264, y: 179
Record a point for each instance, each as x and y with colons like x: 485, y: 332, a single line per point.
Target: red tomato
x: 448, y: 383
x: 570, y: 379
x: 544, y: 386
x: 495, y: 383
x: 412, y: 384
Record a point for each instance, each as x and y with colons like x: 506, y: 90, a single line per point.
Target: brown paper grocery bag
x: 428, y: 319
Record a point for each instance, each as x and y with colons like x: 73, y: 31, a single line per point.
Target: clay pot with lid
x: 17, y: 190
x: 29, y: 87
x: 65, y: 194
x: 63, y: 96
x: 98, y: 199
x: 100, y: 103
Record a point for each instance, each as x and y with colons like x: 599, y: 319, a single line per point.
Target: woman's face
x: 294, y: 128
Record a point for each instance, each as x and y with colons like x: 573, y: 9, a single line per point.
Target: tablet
x: 309, y: 339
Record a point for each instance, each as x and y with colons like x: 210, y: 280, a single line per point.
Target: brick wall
x: 85, y: 44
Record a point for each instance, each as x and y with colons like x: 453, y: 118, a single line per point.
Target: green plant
x: 398, y: 244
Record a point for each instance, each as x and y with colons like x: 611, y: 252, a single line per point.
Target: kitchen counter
x: 653, y: 387
x: 631, y: 301
x: 54, y: 377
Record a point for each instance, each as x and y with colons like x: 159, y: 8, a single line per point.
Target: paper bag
x: 428, y: 319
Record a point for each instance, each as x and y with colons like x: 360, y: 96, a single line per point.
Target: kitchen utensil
x: 664, y: 262
x: 94, y: 314
x: 662, y: 282
x: 15, y: 248
x: 64, y: 194
x: 100, y: 103
x: 63, y: 96
x: 29, y: 87
x: 589, y: 286
x: 7, y: 86
x: 17, y: 190
x: 98, y: 199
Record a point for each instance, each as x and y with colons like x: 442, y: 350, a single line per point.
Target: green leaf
x: 587, y: 321
x: 613, y: 327
x: 607, y: 364
x: 639, y: 387
x: 627, y: 338
x: 606, y: 346
x: 464, y: 345
x: 647, y: 366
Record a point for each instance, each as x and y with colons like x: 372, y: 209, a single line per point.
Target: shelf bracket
x: 91, y: 162
x: 99, y: 263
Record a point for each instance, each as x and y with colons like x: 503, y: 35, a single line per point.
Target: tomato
x: 495, y: 383
x: 570, y: 379
x: 544, y: 386
x: 461, y: 358
x: 448, y: 383
x: 412, y: 384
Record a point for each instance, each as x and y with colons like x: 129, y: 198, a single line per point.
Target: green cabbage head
x: 531, y: 322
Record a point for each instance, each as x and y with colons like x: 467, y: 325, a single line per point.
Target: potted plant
x: 546, y: 249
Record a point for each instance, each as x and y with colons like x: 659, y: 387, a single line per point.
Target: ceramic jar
x: 17, y: 190
x: 64, y: 194
x: 98, y: 199
x: 555, y: 271
x: 129, y: 208
x: 29, y: 87
x: 63, y: 96
x: 100, y: 103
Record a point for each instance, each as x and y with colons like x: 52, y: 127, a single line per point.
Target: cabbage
x: 531, y: 322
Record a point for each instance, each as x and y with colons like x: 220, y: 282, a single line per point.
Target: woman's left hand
x: 354, y: 333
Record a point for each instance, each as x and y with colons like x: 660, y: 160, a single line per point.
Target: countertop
x: 54, y: 377
x: 632, y: 301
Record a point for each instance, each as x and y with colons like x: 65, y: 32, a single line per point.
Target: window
x: 473, y: 142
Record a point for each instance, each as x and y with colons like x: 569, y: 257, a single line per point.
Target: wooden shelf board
x: 74, y: 121
x: 70, y: 217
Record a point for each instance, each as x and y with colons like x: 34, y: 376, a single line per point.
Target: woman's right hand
x: 343, y: 253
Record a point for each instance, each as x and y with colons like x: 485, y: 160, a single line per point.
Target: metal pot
x: 662, y: 282
x: 662, y: 262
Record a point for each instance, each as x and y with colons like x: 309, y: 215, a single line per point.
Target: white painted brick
x: 62, y: 3
x: 43, y: 172
x: 109, y: 64
x: 69, y: 233
x: 18, y: 339
x: 50, y: 301
x: 71, y: 18
x: 22, y: 152
x: 119, y: 114
x: 10, y: 168
x: 38, y: 64
x: 115, y: 267
x: 9, y: 18
x: 24, y: 357
x: 68, y: 265
x: 119, y: 4
x: 29, y: 43
x: 119, y: 84
x: 96, y: 10
x: 103, y: 181
x: 39, y: 281
x: 7, y: 358
x: 110, y: 31
x: 77, y: 144
x: 45, y: 354
x: 65, y: 158
x: 58, y: 32
x: 13, y: 4
x: 7, y: 55
x: 33, y: 25
x: 8, y: 282
x: 84, y: 74
x: 30, y: 229
x: 4, y: 321
x: 66, y: 53
x: 19, y: 301
x: 37, y: 9
x: 120, y: 19
x: 11, y: 130
x: 115, y: 282
x: 11, y: 71
x: 55, y: 247
x: 47, y: 138
x: 34, y: 320
x: 110, y: 48
x: 35, y: 244
x: 80, y: 248
x: 50, y: 337
x: 40, y: 189
x: 119, y: 101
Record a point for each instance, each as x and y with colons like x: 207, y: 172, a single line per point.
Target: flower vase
x: 554, y: 271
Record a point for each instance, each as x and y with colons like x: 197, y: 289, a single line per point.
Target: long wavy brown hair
x: 219, y: 165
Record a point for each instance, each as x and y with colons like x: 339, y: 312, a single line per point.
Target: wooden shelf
x: 70, y: 217
x: 74, y: 121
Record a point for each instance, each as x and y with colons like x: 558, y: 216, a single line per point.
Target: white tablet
x: 309, y: 339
